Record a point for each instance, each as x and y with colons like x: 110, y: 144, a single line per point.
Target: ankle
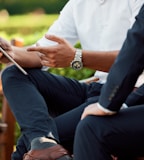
x: 42, y: 142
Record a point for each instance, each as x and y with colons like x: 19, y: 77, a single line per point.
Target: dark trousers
x: 97, y: 138
x: 46, y: 105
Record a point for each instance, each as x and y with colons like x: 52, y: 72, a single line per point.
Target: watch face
x: 77, y: 65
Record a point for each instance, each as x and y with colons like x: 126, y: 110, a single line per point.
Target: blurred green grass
x: 27, y: 20
x: 29, y: 27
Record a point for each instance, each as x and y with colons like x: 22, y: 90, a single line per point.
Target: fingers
x: 50, y: 49
x: 55, y: 38
x: 85, y: 113
x: 4, y: 44
x: 41, y: 49
x: 88, y: 111
x: 1, y: 55
x: 38, y: 48
x: 114, y: 158
x: 46, y: 61
x: 93, y: 109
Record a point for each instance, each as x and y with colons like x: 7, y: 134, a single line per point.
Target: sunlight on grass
x: 29, y: 20
x: 30, y: 27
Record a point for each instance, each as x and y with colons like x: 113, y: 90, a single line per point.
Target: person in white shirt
x: 101, y: 27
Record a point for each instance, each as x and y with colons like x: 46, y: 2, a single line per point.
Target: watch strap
x: 78, y: 55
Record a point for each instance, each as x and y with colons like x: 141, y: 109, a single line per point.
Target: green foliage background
x: 25, y: 6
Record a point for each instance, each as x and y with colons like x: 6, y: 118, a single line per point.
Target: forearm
x: 99, y: 60
x: 62, y: 54
x: 25, y: 58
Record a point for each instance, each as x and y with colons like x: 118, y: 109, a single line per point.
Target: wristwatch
x: 77, y: 64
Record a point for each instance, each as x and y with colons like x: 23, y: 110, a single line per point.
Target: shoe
x: 56, y: 152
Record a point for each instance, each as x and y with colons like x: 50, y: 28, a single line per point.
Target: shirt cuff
x: 104, y: 109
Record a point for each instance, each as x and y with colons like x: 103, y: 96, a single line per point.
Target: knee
x: 85, y: 127
x: 9, y: 74
x: 94, y: 126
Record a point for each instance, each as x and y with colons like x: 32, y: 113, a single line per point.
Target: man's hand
x: 5, y: 45
x: 89, y: 80
x: 58, y: 55
x: 93, y: 109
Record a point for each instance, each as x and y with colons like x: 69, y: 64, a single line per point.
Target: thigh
x: 121, y: 133
x: 39, y: 93
x: 60, y: 93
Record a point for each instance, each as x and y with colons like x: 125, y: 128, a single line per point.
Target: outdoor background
x: 27, y: 21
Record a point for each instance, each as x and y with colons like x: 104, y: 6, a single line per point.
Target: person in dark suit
x: 105, y: 129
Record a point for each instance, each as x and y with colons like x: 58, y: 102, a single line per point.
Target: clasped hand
x: 93, y: 109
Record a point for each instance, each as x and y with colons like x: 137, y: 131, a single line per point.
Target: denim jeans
x: 45, y: 104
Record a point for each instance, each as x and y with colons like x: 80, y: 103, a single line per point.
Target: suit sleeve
x: 136, y: 97
x: 127, y: 67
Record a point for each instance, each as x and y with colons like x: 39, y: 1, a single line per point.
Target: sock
x: 42, y: 142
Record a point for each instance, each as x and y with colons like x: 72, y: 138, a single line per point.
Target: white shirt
x: 99, y: 25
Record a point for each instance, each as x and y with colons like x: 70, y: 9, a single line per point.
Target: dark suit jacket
x: 127, y: 67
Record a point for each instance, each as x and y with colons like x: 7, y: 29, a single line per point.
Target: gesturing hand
x: 58, y: 55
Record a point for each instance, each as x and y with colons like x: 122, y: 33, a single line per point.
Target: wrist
x: 105, y: 110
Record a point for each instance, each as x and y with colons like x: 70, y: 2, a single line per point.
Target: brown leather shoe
x: 56, y: 152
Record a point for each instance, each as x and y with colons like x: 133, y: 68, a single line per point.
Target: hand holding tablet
x: 12, y: 60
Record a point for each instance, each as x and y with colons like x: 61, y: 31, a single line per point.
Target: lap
x: 60, y: 93
x: 122, y: 133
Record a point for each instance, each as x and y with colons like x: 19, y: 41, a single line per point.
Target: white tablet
x: 12, y: 60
